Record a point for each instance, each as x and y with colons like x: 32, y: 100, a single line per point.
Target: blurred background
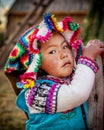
x: 18, y: 15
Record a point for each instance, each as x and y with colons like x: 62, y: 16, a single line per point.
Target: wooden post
x: 96, y: 101
x: 93, y: 28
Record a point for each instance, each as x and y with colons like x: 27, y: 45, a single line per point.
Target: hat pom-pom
x: 27, y: 80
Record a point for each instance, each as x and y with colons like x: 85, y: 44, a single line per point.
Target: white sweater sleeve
x: 78, y: 91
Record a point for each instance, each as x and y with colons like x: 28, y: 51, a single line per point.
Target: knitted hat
x: 26, y: 50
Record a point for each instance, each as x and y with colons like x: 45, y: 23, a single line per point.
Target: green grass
x: 11, y: 118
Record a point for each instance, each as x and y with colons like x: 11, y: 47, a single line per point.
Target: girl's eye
x: 52, y: 52
x: 65, y: 46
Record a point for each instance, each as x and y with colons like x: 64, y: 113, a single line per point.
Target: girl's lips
x: 66, y: 64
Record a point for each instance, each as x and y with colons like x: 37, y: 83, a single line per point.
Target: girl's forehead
x: 55, y: 39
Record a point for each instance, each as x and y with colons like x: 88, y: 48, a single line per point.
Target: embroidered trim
x: 31, y: 95
x: 89, y: 62
x: 43, y: 97
x: 51, y: 102
x: 57, y: 80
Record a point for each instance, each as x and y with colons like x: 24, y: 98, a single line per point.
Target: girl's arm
x: 78, y: 91
x: 80, y: 88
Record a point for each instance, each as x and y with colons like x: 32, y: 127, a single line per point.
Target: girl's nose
x: 63, y: 54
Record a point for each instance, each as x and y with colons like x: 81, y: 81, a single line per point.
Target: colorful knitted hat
x: 26, y: 50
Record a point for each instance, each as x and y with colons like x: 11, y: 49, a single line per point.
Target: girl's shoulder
x: 43, y: 97
x: 40, y: 95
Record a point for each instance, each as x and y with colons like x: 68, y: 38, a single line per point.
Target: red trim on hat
x: 75, y: 35
x: 31, y: 40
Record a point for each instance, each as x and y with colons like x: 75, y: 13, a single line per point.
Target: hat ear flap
x: 20, y: 58
x: 28, y: 79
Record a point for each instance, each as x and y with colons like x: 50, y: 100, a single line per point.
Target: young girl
x: 59, y: 76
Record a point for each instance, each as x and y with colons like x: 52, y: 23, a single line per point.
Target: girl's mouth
x: 66, y: 64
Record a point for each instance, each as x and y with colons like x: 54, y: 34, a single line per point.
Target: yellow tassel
x: 30, y: 83
x: 56, y: 24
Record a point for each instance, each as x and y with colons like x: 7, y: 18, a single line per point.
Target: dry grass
x: 11, y: 118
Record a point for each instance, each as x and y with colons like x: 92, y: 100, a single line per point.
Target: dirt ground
x: 11, y: 118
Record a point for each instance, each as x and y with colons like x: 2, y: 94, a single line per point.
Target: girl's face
x: 57, y: 58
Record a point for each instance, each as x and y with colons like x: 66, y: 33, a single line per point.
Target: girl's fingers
x: 102, y: 50
x: 102, y: 45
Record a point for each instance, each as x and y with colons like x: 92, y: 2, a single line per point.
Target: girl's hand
x: 93, y: 49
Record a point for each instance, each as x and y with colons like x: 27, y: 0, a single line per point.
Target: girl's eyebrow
x: 63, y: 42
x: 53, y: 45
